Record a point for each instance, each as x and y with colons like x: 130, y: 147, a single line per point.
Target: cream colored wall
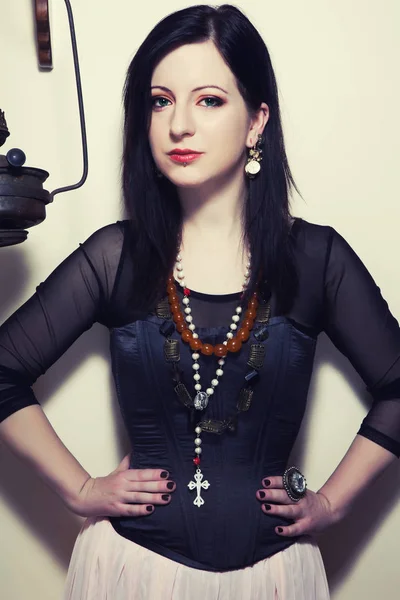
x: 337, y: 67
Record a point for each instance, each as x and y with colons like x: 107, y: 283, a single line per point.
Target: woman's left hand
x: 311, y: 514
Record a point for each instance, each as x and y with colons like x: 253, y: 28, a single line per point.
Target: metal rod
x: 81, y: 108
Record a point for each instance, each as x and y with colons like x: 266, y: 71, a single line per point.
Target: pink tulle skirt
x: 106, y: 566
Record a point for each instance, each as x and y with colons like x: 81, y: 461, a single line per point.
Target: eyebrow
x: 197, y: 89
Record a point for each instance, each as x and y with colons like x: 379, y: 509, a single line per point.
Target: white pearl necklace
x: 201, y: 398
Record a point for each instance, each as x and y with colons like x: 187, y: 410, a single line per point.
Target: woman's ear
x: 257, y: 124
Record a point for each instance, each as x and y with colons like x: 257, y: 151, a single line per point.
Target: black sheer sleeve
x: 72, y: 298
x: 359, y: 323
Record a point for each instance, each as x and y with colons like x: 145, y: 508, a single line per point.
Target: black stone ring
x: 294, y: 483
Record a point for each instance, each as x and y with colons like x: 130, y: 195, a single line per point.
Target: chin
x: 191, y: 177
x: 187, y: 179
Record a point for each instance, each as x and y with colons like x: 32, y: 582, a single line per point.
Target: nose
x: 181, y: 123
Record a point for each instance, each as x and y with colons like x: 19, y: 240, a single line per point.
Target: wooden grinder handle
x: 43, y: 33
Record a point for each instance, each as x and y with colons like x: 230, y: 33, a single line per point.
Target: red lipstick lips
x: 184, y: 155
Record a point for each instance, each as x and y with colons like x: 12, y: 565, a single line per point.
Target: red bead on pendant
x: 196, y: 461
x: 186, y: 291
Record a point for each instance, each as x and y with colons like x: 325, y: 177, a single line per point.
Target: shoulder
x: 322, y: 249
x: 311, y: 244
x: 311, y: 235
x: 105, y: 249
x: 320, y: 238
x: 106, y: 243
x: 113, y: 233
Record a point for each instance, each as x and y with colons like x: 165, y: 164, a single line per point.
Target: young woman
x: 214, y: 296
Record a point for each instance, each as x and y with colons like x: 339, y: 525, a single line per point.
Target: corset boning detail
x: 229, y: 531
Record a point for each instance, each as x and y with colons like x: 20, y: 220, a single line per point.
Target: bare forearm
x: 30, y: 436
x: 362, y: 463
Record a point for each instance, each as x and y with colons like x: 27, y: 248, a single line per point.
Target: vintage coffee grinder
x: 23, y: 199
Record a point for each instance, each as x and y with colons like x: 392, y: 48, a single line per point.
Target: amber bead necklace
x: 186, y: 327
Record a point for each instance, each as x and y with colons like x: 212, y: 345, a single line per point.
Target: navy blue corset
x: 336, y: 295
x: 229, y: 531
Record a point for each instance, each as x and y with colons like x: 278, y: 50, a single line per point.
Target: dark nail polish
x: 267, y: 506
x: 261, y: 494
x: 280, y: 529
x: 165, y: 497
x: 170, y: 485
x: 149, y: 508
x: 266, y: 482
x: 164, y: 474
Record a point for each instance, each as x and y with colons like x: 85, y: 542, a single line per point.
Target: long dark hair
x: 152, y: 203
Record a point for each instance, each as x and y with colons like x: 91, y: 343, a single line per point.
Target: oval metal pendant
x: 200, y: 401
x: 252, y: 168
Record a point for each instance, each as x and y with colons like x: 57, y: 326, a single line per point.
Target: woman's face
x: 196, y: 106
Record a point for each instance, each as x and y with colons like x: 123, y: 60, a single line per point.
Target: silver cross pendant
x: 198, y: 484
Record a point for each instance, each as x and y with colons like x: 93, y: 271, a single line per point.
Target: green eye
x: 159, y: 102
x: 212, y: 102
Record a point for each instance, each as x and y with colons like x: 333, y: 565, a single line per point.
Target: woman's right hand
x: 124, y: 493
